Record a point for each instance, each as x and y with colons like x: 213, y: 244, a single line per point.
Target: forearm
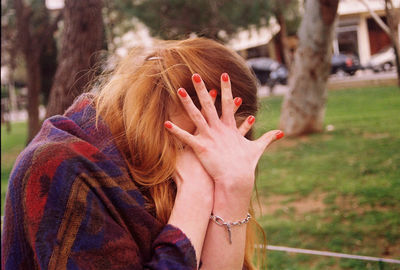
x: 191, y: 214
x: 218, y: 252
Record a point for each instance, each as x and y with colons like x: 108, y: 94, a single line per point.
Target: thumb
x: 265, y: 140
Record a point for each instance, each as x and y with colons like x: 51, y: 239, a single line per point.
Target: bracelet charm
x: 220, y: 221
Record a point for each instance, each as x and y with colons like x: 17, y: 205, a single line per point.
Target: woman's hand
x: 191, y: 177
x: 194, y: 199
x: 228, y: 157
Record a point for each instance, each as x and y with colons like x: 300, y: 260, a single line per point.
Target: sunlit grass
x: 12, y: 143
x: 338, y: 190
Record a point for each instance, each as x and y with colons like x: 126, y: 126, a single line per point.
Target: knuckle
x: 201, y: 148
x: 227, y: 99
x: 208, y: 105
x: 197, y: 116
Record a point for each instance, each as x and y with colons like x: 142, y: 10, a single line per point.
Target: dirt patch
x: 301, y: 206
x: 288, y: 143
x: 376, y: 136
x: 270, y: 204
x: 351, y: 203
x: 309, y: 204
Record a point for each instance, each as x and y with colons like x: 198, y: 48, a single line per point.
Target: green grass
x: 335, y: 191
x: 11, y: 145
x: 338, y: 190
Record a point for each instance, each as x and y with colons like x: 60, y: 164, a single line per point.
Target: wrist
x: 230, y: 204
x: 234, y: 188
x: 198, y: 197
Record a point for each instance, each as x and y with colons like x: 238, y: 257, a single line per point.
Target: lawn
x: 336, y: 191
x: 11, y: 145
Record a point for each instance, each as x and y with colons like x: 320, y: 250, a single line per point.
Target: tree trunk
x: 31, y: 52
x: 282, y: 35
x: 34, y: 30
x: 393, y: 19
x: 82, y: 38
x: 34, y: 86
x: 303, y: 108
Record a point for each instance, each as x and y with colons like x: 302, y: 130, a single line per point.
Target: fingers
x: 227, y: 101
x: 246, y: 125
x: 213, y: 94
x: 265, y: 140
x: 183, y: 135
x: 237, y: 101
x: 192, y: 111
x: 205, y: 99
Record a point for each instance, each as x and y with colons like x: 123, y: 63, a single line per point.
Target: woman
x: 135, y: 176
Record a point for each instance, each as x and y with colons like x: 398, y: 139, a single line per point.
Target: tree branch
x: 375, y: 16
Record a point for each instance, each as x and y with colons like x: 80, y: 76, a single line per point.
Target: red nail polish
x: 168, y: 124
x: 225, y: 77
x: 237, y: 101
x: 182, y: 92
x: 251, y: 119
x: 279, y: 135
x: 196, y: 78
x: 213, y: 93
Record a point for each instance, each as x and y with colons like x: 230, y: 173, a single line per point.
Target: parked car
x: 268, y: 71
x: 384, y: 60
x: 343, y: 64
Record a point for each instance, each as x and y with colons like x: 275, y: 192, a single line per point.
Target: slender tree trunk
x: 31, y: 51
x: 82, y: 38
x: 11, y: 82
x: 34, y: 86
x: 283, y: 39
x: 391, y: 29
x: 303, y: 109
x: 393, y: 18
x: 31, y: 38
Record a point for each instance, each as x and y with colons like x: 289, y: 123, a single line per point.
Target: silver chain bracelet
x: 221, y: 222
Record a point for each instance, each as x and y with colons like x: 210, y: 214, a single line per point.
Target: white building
x: 356, y: 30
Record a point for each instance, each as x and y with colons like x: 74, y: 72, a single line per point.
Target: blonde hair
x: 135, y: 102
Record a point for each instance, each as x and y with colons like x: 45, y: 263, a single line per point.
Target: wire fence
x: 329, y: 254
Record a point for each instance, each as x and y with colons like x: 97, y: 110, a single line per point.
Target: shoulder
x: 60, y: 155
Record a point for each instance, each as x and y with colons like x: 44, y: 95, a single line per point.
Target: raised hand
x: 228, y: 157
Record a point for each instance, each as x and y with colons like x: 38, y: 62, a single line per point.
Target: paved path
x: 361, y: 79
x: 21, y: 116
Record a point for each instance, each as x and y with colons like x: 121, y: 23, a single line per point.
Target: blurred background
x: 328, y: 74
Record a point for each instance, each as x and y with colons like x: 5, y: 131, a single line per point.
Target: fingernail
x: 168, y: 124
x: 225, y: 77
x: 279, y: 135
x: 196, y: 78
x: 182, y: 92
x: 213, y: 93
x: 237, y: 101
x: 251, y: 119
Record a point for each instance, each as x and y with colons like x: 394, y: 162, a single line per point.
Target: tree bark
x: 82, y: 38
x: 34, y: 86
x: 31, y: 50
x: 31, y: 39
x: 393, y: 19
x: 303, y: 108
x: 283, y: 39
